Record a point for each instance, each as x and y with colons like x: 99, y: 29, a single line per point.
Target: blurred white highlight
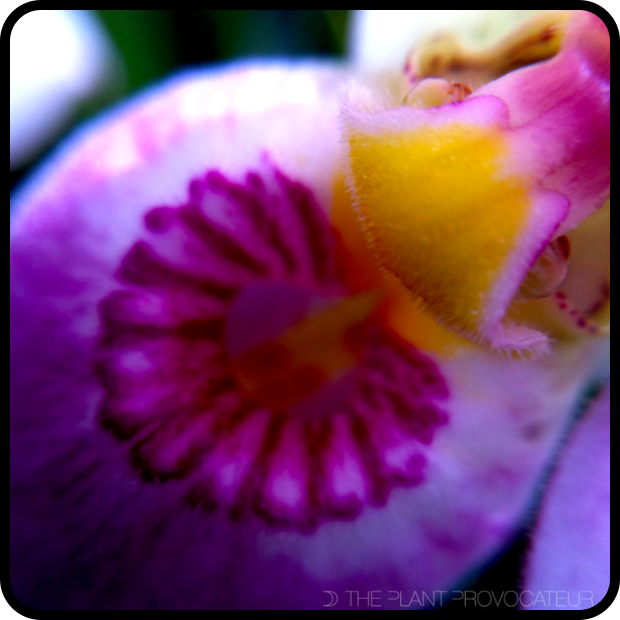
x: 58, y: 59
x: 380, y: 40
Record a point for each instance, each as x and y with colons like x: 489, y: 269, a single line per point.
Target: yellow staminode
x: 439, y: 213
x: 400, y: 310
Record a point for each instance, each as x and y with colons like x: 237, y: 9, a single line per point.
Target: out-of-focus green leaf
x: 146, y: 41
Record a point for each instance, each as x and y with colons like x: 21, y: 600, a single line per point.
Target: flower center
x: 288, y: 346
x: 235, y: 362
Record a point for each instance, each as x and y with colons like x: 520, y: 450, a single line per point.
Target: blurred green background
x: 154, y: 43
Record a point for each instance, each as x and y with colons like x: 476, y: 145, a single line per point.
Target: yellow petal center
x: 438, y: 213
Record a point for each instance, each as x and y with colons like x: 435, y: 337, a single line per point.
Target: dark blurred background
x: 150, y: 45
x: 154, y: 43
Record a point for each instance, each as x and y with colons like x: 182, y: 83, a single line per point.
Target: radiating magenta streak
x: 170, y: 391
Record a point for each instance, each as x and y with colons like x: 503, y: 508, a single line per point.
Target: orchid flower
x: 268, y: 325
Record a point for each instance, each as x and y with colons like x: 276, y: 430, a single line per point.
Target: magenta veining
x: 232, y: 270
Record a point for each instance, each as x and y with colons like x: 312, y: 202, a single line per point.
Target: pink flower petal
x: 99, y: 234
x: 560, y: 109
x: 460, y: 199
x: 569, y: 563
